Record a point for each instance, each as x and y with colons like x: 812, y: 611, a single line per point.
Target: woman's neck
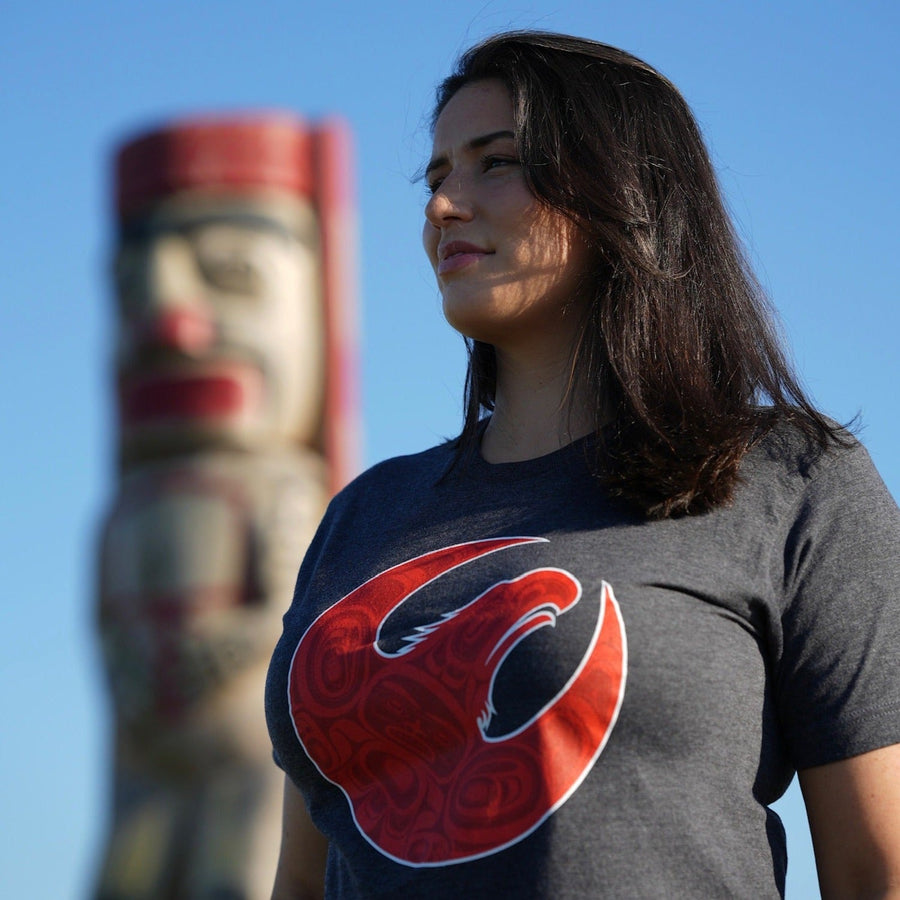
x: 537, y: 410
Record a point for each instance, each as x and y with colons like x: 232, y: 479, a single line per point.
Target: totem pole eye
x: 231, y: 272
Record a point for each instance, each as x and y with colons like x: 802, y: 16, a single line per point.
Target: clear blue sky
x: 798, y: 101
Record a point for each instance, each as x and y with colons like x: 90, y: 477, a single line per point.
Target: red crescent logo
x: 403, y: 734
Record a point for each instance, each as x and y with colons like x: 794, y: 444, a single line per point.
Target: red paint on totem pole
x: 403, y: 734
x: 188, y: 330
x: 239, y: 153
x: 214, y: 392
x: 332, y: 163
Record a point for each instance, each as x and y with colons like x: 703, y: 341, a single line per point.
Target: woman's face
x: 507, y: 266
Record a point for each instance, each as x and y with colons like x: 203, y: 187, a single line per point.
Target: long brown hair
x: 678, y: 342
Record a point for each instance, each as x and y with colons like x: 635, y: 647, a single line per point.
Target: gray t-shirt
x: 495, y: 681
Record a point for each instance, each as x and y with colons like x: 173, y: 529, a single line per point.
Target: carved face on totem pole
x: 228, y: 378
x: 219, y: 287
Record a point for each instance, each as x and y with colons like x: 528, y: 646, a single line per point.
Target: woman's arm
x: 301, y: 864
x: 854, y: 817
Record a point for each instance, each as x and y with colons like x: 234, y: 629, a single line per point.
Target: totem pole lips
x: 403, y: 734
x: 213, y: 392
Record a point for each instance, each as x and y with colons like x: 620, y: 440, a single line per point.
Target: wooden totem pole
x: 235, y: 391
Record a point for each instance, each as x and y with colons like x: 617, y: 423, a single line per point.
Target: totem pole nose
x: 188, y: 330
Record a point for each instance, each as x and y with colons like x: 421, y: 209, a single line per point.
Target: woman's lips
x: 457, y: 255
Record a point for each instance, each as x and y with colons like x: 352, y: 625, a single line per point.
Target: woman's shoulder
x: 800, y: 465
x: 399, y: 474
x: 374, y: 502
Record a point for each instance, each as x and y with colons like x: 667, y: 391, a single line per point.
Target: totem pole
x: 236, y: 421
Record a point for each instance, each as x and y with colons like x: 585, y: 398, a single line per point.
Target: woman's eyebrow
x: 475, y: 144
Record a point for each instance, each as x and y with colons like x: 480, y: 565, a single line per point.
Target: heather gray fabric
x: 760, y: 638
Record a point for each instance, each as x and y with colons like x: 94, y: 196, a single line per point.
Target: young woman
x: 579, y: 651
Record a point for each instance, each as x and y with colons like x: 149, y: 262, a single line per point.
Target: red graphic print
x: 403, y: 734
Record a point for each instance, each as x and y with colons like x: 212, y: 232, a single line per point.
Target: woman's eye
x: 487, y: 163
x: 497, y: 162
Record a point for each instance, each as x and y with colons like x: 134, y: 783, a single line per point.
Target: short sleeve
x: 838, y: 681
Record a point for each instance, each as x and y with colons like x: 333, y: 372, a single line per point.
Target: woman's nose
x: 450, y: 202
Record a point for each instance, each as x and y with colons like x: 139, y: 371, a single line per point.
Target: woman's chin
x: 478, y: 316
x: 473, y: 328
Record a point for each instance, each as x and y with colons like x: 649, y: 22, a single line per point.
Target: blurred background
x: 798, y: 102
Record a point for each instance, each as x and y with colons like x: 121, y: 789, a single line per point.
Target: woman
x: 715, y: 562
